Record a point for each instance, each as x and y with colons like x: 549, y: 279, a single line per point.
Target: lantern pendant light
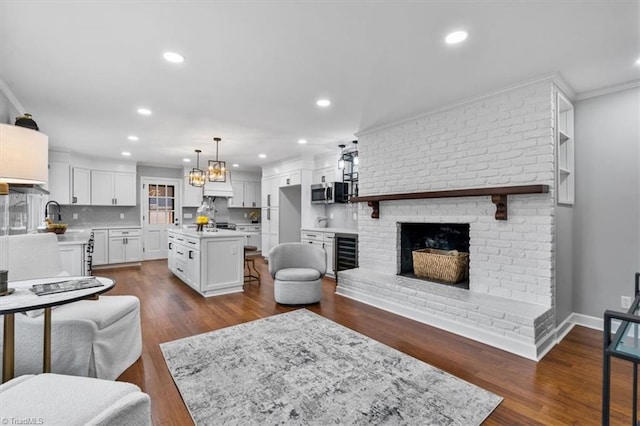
x: 341, y: 160
x: 217, y: 169
x: 197, y: 176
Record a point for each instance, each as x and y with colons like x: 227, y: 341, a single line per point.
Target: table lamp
x: 24, y: 158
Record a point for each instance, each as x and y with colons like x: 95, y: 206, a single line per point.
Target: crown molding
x: 607, y: 90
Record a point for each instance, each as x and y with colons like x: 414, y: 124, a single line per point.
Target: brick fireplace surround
x: 503, y: 139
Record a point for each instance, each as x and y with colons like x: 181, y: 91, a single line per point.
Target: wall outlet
x: 75, y: 216
x: 625, y: 302
x: 121, y: 215
x: 246, y: 216
x: 355, y: 216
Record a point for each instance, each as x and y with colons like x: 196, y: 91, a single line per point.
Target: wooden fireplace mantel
x: 498, y: 196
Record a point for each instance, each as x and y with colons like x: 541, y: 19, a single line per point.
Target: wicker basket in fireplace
x: 447, y: 266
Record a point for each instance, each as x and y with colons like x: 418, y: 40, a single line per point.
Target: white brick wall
x: 501, y: 140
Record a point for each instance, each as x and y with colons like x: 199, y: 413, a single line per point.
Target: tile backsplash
x: 92, y: 216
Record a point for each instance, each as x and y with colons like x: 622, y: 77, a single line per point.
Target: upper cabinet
x: 80, y: 186
x: 91, y: 181
x: 565, y: 150
x: 289, y: 179
x: 113, y: 188
x: 59, y: 182
x: 245, y: 194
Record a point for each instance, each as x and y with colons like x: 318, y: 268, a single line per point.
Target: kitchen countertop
x: 74, y: 236
x: 335, y: 230
x: 105, y: 227
x: 220, y: 233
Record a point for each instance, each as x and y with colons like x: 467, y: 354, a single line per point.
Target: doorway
x: 159, y: 199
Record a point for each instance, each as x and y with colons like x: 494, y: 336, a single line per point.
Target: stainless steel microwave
x: 330, y: 192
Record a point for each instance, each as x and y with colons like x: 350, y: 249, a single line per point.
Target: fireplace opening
x: 439, y: 236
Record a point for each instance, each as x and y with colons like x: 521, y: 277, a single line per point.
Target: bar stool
x: 250, y: 255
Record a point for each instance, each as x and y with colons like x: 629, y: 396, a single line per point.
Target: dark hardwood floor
x: 563, y: 388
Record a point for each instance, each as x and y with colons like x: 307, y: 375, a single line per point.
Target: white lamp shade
x: 24, y: 155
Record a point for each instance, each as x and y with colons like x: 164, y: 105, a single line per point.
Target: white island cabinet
x: 212, y: 263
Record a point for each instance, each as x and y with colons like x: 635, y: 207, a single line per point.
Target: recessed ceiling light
x: 235, y: 165
x: 186, y: 160
x: 144, y: 111
x: 133, y: 138
x: 302, y: 141
x: 323, y: 103
x: 173, y: 57
x: 456, y: 37
x: 126, y: 154
x: 262, y: 155
x: 638, y: 61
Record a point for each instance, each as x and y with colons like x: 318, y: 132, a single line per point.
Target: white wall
x: 607, y: 207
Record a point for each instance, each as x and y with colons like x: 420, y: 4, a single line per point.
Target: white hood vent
x: 219, y: 189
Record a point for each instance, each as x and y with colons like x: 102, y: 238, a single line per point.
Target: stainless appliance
x: 226, y: 225
x: 330, y: 192
x: 345, y: 252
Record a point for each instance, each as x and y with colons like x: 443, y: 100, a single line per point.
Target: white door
x: 160, y: 203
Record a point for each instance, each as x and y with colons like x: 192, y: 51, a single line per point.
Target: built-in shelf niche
x: 565, y: 151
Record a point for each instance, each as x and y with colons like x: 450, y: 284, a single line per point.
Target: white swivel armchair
x: 297, y: 270
x: 92, y: 338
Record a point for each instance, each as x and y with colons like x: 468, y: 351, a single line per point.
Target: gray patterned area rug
x: 301, y: 368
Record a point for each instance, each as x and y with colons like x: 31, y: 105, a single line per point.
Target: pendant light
x: 217, y: 169
x: 197, y: 176
x: 341, y: 160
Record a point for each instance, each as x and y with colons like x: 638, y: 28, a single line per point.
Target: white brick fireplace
x: 503, y: 139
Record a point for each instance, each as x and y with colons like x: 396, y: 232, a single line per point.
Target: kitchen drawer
x: 192, y: 243
x: 312, y: 236
x: 125, y: 233
x: 181, y: 253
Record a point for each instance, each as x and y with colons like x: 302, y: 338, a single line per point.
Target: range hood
x: 219, y: 189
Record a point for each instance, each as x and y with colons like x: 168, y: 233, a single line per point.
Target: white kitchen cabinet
x: 113, y: 188
x: 171, y: 252
x: 72, y: 256
x: 270, y: 229
x: 81, y: 186
x: 270, y: 191
x: 245, y: 194
x: 252, y: 194
x: 254, y: 235
x: 323, y: 240
x: 100, y: 254
x: 210, y: 262
x: 324, y: 175
x: 289, y: 179
x: 59, y: 186
x: 125, y: 245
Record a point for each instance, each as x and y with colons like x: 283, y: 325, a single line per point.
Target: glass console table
x: 624, y: 344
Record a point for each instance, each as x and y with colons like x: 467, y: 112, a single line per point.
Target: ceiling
x: 254, y: 69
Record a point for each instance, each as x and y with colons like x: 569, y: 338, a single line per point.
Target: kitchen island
x: 212, y: 263
x: 73, y: 251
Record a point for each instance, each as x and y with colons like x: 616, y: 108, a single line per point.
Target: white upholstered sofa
x: 53, y: 399
x: 93, y: 338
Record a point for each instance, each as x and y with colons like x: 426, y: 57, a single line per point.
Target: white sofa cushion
x: 297, y: 274
x: 69, y: 400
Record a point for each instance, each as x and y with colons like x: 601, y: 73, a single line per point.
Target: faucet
x: 46, y: 210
